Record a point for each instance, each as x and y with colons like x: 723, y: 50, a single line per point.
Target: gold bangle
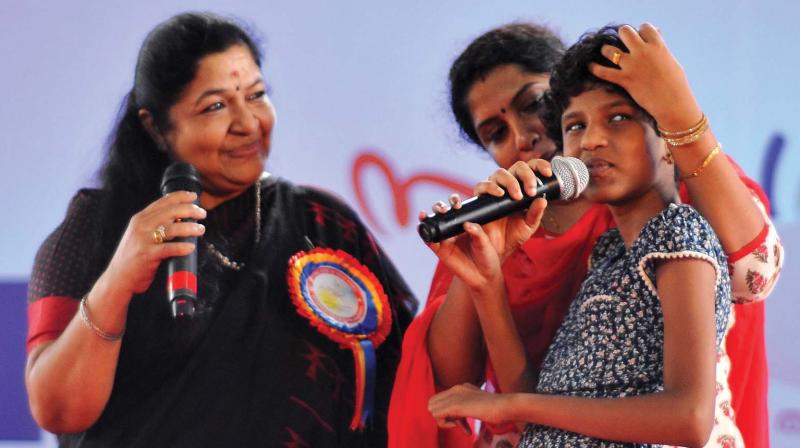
x: 84, y: 312
x: 686, y: 139
x: 691, y: 130
x: 711, y: 155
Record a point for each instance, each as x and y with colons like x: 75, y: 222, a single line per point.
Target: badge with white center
x: 344, y: 301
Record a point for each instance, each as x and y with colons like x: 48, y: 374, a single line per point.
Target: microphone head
x: 180, y: 176
x: 572, y: 175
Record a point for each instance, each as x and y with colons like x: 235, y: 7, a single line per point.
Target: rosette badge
x: 344, y: 301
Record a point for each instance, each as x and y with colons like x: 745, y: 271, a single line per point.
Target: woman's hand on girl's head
x: 452, y: 406
x: 651, y: 75
x: 140, y: 252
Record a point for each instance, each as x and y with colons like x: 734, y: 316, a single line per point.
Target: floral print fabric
x: 611, y: 342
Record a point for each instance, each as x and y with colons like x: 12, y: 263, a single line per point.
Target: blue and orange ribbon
x: 344, y: 301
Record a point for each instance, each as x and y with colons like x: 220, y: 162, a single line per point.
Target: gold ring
x: 616, y: 57
x: 160, y: 234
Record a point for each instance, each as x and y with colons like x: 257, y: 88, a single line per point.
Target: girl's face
x: 504, y: 108
x: 618, y: 144
x: 222, y: 124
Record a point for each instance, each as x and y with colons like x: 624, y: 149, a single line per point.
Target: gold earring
x: 667, y: 157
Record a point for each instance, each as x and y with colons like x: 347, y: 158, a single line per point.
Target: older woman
x: 263, y: 361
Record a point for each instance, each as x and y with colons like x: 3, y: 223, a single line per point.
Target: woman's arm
x: 682, y: 414
x: 69, y: 380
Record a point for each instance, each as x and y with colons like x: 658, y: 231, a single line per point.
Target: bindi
x: 235, y: 74
x: 502, y: 110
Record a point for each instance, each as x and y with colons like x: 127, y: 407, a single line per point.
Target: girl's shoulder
x: 679, y: 228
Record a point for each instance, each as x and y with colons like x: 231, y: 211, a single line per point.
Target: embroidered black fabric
x: 248, y: 370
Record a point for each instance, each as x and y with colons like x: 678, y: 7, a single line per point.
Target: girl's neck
x: 561, y: 216
x: 631, y: 216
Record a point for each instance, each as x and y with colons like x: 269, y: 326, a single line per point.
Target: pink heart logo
x: 400, y: 188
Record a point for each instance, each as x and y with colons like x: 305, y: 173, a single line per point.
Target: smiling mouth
x: 245, y: 151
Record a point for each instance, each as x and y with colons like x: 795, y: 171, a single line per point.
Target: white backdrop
x: 357, y: 84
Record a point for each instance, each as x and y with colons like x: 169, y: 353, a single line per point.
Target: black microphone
x: 568, y: 181
x: 182, y: 271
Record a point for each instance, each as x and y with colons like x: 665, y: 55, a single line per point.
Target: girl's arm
x: 682, y: 414
x: 455, y: 340
x: 476, y: 300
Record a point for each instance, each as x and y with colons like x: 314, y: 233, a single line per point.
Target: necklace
x: 222, y: 258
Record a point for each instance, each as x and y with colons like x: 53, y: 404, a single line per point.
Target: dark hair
x: 533, y: 47
x: 167, y: 62
x: 571, y: 76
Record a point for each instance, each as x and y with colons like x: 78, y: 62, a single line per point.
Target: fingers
x: 507, y: 179
x: 650, y: 34
x: 169, y: 250
x: 183, y: 229
x: 176, y: 197
x: 173, y: 206
x: 630, y: 37
x: 533, y: 217
x: 461, y: 423
x: 489, y: 187
x: 478, y: 236
x: 174, y: 212
x: 541, y: 166
x: 445, y: 407
x: 613, y: 54
x: 455, y: 201
x: 612, y: 75
x: 520, y: 176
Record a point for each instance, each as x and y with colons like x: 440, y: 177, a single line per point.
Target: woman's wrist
x: 677, y: 119
x: 490, y: 288
x: 109, y: 298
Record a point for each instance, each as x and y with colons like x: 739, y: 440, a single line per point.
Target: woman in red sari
x: 496, y: 85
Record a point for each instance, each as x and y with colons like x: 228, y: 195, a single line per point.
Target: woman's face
x: 222, y: 123
x: 504, y: 108
x: 618, y: 145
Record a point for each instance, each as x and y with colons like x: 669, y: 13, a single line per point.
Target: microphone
x: 182, y: 271
x: 568, y: 181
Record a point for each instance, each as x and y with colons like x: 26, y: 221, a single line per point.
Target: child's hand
x: 476, y: 256
x: 452, y: 406
x: 652, y: 76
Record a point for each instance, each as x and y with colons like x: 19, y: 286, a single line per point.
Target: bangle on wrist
x: 711, y: 155
x: 83, y: 310
x: 686, y: 136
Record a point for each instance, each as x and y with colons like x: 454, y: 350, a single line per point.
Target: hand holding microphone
x: 182, y: 270
x: 569, y: 178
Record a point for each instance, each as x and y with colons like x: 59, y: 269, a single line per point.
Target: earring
x: 667, y: 157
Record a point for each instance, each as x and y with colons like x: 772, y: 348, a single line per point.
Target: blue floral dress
x: 611, y: 342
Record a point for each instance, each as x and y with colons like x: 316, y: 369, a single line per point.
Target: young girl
x: 634, y: 358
